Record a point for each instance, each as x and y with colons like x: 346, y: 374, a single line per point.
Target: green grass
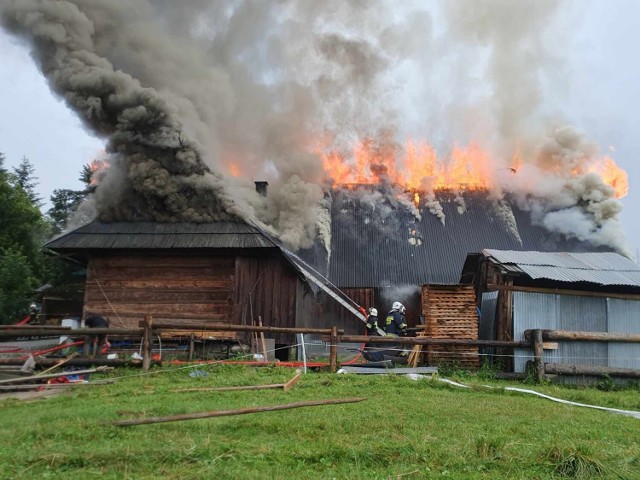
x: 406, y: 429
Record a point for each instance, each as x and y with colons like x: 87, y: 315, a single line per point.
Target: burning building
x: 192, y: 104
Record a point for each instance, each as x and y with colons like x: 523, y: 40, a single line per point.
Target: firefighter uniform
x: 372, y: 325
x: 395, y: 323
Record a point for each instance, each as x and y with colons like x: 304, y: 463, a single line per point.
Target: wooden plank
x: 242, y: 411
x: 166, y: 283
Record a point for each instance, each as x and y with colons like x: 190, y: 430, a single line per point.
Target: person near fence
x: 100, y: 343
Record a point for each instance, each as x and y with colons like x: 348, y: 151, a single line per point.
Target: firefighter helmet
x: 397, y: 306
x: 373, y: 311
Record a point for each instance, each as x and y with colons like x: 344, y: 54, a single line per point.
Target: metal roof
x: 381, y: 243
x: 603, y: 268
x: 152, y: 235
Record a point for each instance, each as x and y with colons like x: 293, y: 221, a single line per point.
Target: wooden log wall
x: 450, y: 313
x: 125, y: 288
x: 265, y: 287
x: 325, y: 312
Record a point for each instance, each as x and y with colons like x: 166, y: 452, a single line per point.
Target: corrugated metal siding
x: 574, y: 313
x: 623, y: 317
x: 378, y: 244
x: 530, y: 311
x: 585, y: 314
x: 151, y: 235
x: 604, y: 268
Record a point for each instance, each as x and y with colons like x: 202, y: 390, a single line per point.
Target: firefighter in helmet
x: 372, y: 322
x: 396, y: 322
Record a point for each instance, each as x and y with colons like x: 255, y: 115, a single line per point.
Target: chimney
x: 261, y: 188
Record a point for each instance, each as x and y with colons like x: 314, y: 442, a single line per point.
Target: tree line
x: 25, y: 267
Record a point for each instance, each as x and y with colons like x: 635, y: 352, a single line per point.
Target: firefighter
x: 372, y: 322
x: 396, y: 322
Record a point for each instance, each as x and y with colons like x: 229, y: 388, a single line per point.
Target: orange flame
x: 97, y: 168
x: 234, y: 169
x: 417, y: 167
x: 613, y: 176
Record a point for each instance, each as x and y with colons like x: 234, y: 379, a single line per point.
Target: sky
x: 602, y: 99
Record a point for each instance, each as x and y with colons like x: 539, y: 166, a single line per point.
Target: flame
x: 234, y: 169
x: 613, y: 176
x: 417, y: 167
x: 97, y: 168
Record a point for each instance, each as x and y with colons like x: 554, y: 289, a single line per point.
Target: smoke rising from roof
x: 197, y: 99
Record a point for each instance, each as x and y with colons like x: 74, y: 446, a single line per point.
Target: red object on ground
x: 24, y: 320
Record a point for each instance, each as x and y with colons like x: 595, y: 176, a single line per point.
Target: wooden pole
x: 191, y: 346
x: 242, y: 411
x: 333, y: 351
x: 59, y: 364
x: 560, y: 369
x: 51, y: 375
x: 225, y: 327
x: 78, y: 332
x: 538, y: 354
x: 285, y: 386
x: 47, y: 362
x: 558, y: 335
x: 262, y: 341
x: 291, y: 383
x: 430, y: 341
x: 146, y: 342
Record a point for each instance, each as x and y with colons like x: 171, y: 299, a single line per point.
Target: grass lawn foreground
x: 405, y: 429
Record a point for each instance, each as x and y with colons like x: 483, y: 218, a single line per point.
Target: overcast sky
x: 604, y: 102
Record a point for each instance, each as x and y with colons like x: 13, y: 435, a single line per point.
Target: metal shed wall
x: 577, y: 313
x: 623, y: 317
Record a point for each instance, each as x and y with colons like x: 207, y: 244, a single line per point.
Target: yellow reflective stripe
x: 389, y: 320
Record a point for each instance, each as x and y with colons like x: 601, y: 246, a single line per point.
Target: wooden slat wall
x: 450, y: 312
x: 266, y: 287
x: 125, y: 288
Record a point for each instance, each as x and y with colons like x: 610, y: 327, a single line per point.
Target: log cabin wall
x: 266, y: 286
x: 322, y: 311
x: 170, y: 287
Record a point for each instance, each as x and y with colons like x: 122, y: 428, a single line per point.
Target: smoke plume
x: 197, y: 99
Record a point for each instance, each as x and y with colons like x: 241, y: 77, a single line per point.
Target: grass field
x: 405, y: 429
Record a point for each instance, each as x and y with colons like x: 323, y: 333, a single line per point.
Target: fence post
x: 538, y: 353
x: 333, y: 352
x: 146, y: 342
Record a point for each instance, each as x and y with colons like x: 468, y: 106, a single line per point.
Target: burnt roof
x: 152, y: 235
x: 382, y: 244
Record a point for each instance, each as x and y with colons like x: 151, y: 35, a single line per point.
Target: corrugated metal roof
x: 603, y: 268
x: 380, y: 244
x: 153, y: 235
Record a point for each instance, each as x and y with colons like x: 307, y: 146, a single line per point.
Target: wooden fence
x: 538, y: 337
x: 534, y: 339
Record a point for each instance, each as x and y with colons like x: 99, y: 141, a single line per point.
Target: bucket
x: 70, y: 322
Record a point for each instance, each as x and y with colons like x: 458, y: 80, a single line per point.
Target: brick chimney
x: 261, y: 188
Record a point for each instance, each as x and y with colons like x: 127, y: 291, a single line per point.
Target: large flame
x: 417, y: 167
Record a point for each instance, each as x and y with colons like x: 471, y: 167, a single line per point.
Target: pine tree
x: 25, y: 179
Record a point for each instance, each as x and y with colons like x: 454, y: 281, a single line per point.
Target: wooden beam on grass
x: 52, y: 375
x: 284, y: 386
x: 242, y: 411
x: 59, y: 364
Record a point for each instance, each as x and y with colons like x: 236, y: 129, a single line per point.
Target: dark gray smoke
x: 158, y: 172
